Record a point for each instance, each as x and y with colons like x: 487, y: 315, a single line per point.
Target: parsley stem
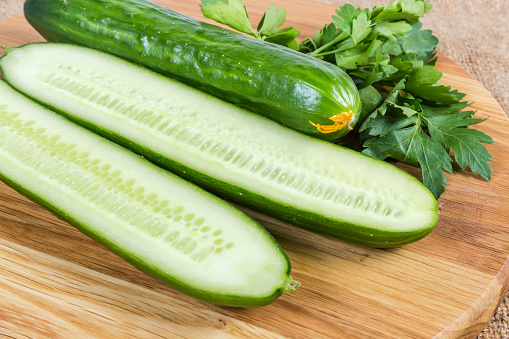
x: 337, y: 39
x: 308, y: 39
x: 325, y: 53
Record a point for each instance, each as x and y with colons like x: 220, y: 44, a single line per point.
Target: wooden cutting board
x: 57, y: 283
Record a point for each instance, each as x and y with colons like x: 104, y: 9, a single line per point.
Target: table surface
x: 12, y: 9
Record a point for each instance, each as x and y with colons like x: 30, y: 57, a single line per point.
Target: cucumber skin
x: 220, y: 300
x: 131, y: 258
x: 353, y: 233
x: 277, y: 82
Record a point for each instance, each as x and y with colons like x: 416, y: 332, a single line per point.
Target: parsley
x: 422, y: 133
x: 407, y: 114
x: 233, y: 13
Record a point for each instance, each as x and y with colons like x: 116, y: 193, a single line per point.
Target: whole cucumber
x: 298, y: 91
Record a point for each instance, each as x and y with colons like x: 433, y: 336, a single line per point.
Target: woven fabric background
x: 10, y: 8
x: 475, y: 34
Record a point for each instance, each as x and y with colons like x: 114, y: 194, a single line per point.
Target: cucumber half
x: 229, y: 151
x: 160, y: 223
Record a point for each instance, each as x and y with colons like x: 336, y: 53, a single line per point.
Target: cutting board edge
x: 476, y: 318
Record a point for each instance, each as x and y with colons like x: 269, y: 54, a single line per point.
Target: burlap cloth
x: 475, y: 34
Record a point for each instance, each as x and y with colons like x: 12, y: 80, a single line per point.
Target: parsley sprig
x: 233, y: 13
x: 422, y: 133
x: 407, y: 114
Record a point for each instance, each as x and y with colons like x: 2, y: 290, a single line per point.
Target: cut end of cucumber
x: 290, y: 285
x: 9, y: 49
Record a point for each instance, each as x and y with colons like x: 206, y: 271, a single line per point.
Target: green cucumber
x: 160, y: 223
x: 289, y: 87
x: 234, y: 153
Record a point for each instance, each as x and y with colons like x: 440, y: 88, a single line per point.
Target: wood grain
x: 57, y: 283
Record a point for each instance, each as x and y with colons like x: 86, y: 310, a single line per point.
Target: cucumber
x: 234, y: 153
x: 294, y: 89
x: 158, y: 222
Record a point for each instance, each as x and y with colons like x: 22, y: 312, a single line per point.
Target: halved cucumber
x: 229, y: 151
x: 163, y: 225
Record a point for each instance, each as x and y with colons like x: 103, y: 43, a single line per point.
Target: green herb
x: 422, y: 133
x: 384, y: 48
x: 233, y: 13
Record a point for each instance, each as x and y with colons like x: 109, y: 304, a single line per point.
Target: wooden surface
x: 57, y: 283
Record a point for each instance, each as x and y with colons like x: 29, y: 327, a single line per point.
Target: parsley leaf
x: 361, y: 27
x: 423, y: 82
x: 233, y: 13
x: 371, y: 100
x: 451, y: 132
x: 408, y: 10
x: 420, y: 133
x: 412, y: 146
x: 391, y: 30
x: 417, y: 41
x: 272, y: 20
x: 345, y: 17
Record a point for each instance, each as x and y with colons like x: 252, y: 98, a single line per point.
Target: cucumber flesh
x: 162, y: 224
x: 236, y: 154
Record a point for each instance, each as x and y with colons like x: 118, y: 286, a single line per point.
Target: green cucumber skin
x: 351, y: 232
x: 284, y: 85
x: 214, y: 299
x: 224, y: 299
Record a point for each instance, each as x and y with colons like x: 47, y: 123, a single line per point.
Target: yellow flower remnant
x: 340, y: 120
